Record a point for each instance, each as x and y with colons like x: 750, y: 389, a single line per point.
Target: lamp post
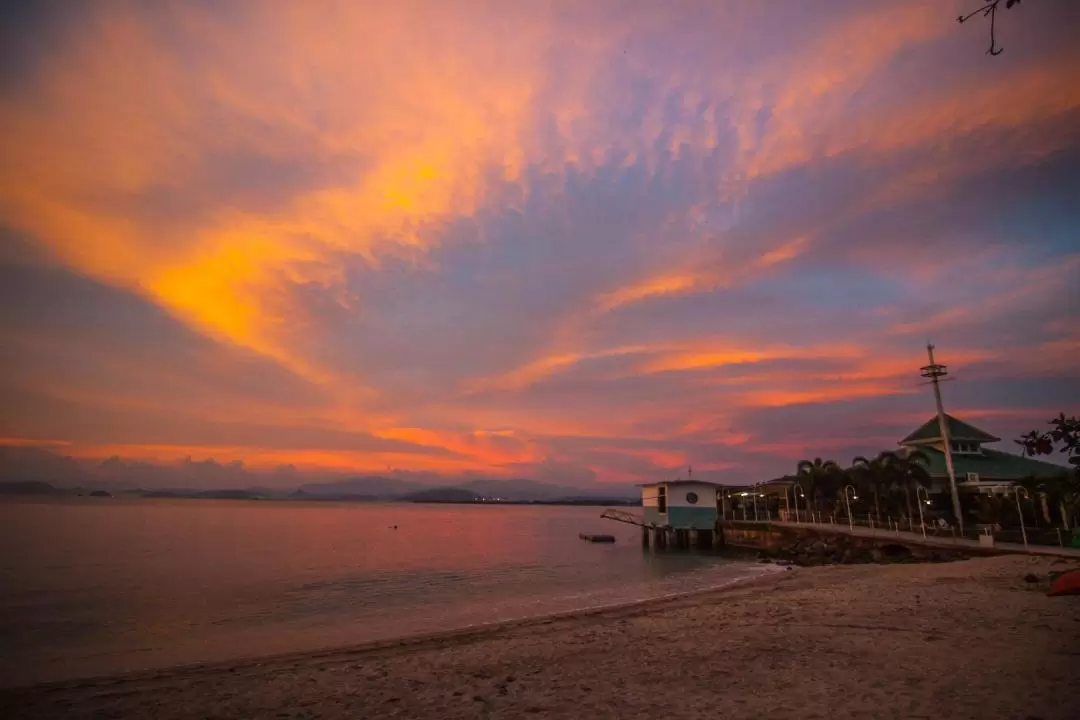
x: 847, y: 505
x: 755, y: 501
x: 920, y: 499
x: 1020, y: 512
x: 797, y: 495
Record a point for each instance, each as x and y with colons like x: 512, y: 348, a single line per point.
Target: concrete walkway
x: 929, y: 539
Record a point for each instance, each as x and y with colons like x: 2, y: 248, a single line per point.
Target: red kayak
x: 1066, y: 584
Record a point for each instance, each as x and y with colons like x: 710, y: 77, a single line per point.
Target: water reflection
x: 94, y: 587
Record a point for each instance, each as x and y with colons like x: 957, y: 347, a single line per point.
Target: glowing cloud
x: 474, y: 237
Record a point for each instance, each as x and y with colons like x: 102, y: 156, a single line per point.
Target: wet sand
x: 968, y: 639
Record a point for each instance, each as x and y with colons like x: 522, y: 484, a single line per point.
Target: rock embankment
x: 840, y: 549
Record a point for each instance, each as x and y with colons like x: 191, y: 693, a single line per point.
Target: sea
x: 102, y: 586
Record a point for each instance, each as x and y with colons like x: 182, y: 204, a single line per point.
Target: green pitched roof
x: 958, y: 430
x: 991, y: 465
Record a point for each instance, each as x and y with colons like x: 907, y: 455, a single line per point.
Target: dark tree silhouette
x: 989, y: 9
x: 821, y: 479
x: 1066, y: 433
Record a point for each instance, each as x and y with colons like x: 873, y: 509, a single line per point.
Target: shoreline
x: 763, y: 573
x: 971, y: 638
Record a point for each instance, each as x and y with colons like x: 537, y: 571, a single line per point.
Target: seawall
x: 821, y: 544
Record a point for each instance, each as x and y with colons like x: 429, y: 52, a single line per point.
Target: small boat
x: 592, y: 537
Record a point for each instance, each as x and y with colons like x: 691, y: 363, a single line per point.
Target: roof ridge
x: 957, y: 428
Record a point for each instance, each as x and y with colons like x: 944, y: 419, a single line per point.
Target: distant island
x: 28, y: 487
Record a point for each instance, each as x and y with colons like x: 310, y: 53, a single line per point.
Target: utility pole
x: 935, y: 372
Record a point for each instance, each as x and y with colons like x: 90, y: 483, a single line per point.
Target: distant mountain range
x: 513, y: 490
x: 448, y: 494
x: 39, y: 471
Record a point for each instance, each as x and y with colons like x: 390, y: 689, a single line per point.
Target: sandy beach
x: 968, y: 639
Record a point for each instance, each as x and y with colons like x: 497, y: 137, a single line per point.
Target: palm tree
x: 871, y: 475
x: 908, y: 471
x: 819, y: 477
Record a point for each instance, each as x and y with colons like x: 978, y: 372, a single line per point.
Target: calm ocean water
x: 97, y: 586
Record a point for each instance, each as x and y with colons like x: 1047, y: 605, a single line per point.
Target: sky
x: 586, y: 243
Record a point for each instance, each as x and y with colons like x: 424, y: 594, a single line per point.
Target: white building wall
x: 650, y: 495
x: 677, y: 495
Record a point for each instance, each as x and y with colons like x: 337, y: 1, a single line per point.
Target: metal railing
x: 1047, y: 537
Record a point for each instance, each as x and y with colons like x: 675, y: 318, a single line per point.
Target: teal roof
x: 958, y: 430
x: 991, y: 465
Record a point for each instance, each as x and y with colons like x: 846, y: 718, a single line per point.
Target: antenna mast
x: 935, y: 372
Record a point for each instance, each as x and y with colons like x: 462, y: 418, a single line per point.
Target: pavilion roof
x: 991, y: 465
x: 958, y: 430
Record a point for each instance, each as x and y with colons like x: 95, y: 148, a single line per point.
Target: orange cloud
x: 242, y: 162
x: 703, y: 356
x: 545, y: 367
x: 428, y: 131
x: 835, y: 393
x: 485, y: 447
x: 651, y: 287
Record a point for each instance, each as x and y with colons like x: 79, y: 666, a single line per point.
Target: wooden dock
x: 663, y: 537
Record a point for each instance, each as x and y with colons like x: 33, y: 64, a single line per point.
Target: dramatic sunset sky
x: 572, y: 241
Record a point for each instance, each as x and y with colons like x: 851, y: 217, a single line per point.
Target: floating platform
x: 593, y: 537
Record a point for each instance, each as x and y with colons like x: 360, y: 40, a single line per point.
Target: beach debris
x: 1031, y: 578
x: 1066, y: 584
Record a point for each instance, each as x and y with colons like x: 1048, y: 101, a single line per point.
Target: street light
x: 919, y: 499
x: 847, y: 505
x: 1020, y: 512
x: 798, y: 495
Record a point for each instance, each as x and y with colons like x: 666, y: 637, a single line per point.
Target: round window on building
x: 691, y: 497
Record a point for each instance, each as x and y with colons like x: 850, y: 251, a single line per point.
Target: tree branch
x: 990, y: 10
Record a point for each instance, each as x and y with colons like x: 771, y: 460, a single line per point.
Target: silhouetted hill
x: 301, y: 494
x: 159, y: 493
x: 521, y: 489
x: 27, y: 487
x: 208, y: 478
x: 228, y: 495
x: 442, y: 495
x: 593, y: 501
x: 372, y: 486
